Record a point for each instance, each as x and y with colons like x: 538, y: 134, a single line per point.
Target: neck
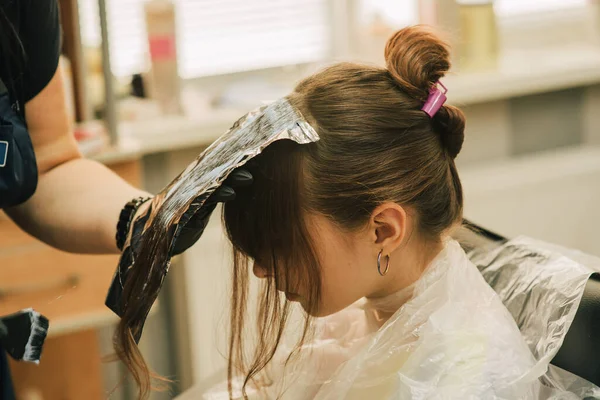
x: 406, y: 268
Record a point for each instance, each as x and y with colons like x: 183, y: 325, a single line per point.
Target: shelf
x: 174, y: 133
x: 523, y: 73
x: 519, y: 74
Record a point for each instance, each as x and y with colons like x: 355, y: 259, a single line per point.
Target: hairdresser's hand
x: 192, y: 231
x: 189, y: 234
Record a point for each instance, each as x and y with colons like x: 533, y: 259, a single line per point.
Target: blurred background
x: 150, y: 84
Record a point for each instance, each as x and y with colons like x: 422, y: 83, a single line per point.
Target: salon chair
x: 580, y: 352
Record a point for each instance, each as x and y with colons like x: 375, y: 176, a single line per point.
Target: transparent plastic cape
x: 541, y: 284
x: 173, y: 207
x: 448, y: 336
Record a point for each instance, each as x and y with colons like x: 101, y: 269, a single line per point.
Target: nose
x: 260, y: 272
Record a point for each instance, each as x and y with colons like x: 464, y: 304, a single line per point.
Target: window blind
x: 217, y: 36
x: 223, y: 36
x: 515, y: 7
x: 404, y: 12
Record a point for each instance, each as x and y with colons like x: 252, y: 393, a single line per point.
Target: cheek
x: 344, y: 278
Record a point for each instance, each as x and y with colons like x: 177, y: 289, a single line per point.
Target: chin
x: 313, y: 313
x: 321, y: 311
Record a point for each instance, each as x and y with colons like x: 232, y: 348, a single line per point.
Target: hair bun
x: 416, y: 58
x: 449, y: 122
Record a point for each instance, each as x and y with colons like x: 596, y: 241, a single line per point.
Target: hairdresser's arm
x: 77, y: 202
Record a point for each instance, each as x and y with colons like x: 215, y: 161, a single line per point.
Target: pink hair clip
x: 435, y: 101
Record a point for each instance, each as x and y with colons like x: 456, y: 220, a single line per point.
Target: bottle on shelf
x: 479, y: 35
x: 164, y: 83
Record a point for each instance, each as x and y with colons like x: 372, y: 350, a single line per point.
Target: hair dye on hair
x: 175, y: 205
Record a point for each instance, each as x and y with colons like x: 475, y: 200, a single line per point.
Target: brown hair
x: 376, y: 145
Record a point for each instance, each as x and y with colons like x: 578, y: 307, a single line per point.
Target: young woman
x: 355, y: 228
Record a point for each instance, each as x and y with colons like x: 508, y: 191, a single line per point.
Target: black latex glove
x: 189, y: 234
x: 192, y: 231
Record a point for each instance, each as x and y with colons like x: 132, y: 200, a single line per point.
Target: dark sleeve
x: 40, y: 35
x: 6, y: 386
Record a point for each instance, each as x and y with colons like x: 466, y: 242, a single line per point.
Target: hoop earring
x: 387, y: 264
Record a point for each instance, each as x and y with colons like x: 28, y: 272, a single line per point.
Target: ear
x: 389, y: 224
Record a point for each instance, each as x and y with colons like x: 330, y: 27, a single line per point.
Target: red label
x: 162, y: 48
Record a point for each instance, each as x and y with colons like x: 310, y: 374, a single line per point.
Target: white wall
x: 552, y: 196
x: 207, y: 269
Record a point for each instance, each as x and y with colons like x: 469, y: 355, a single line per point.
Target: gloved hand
x: 192, y: 231
x: 189, y: 234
